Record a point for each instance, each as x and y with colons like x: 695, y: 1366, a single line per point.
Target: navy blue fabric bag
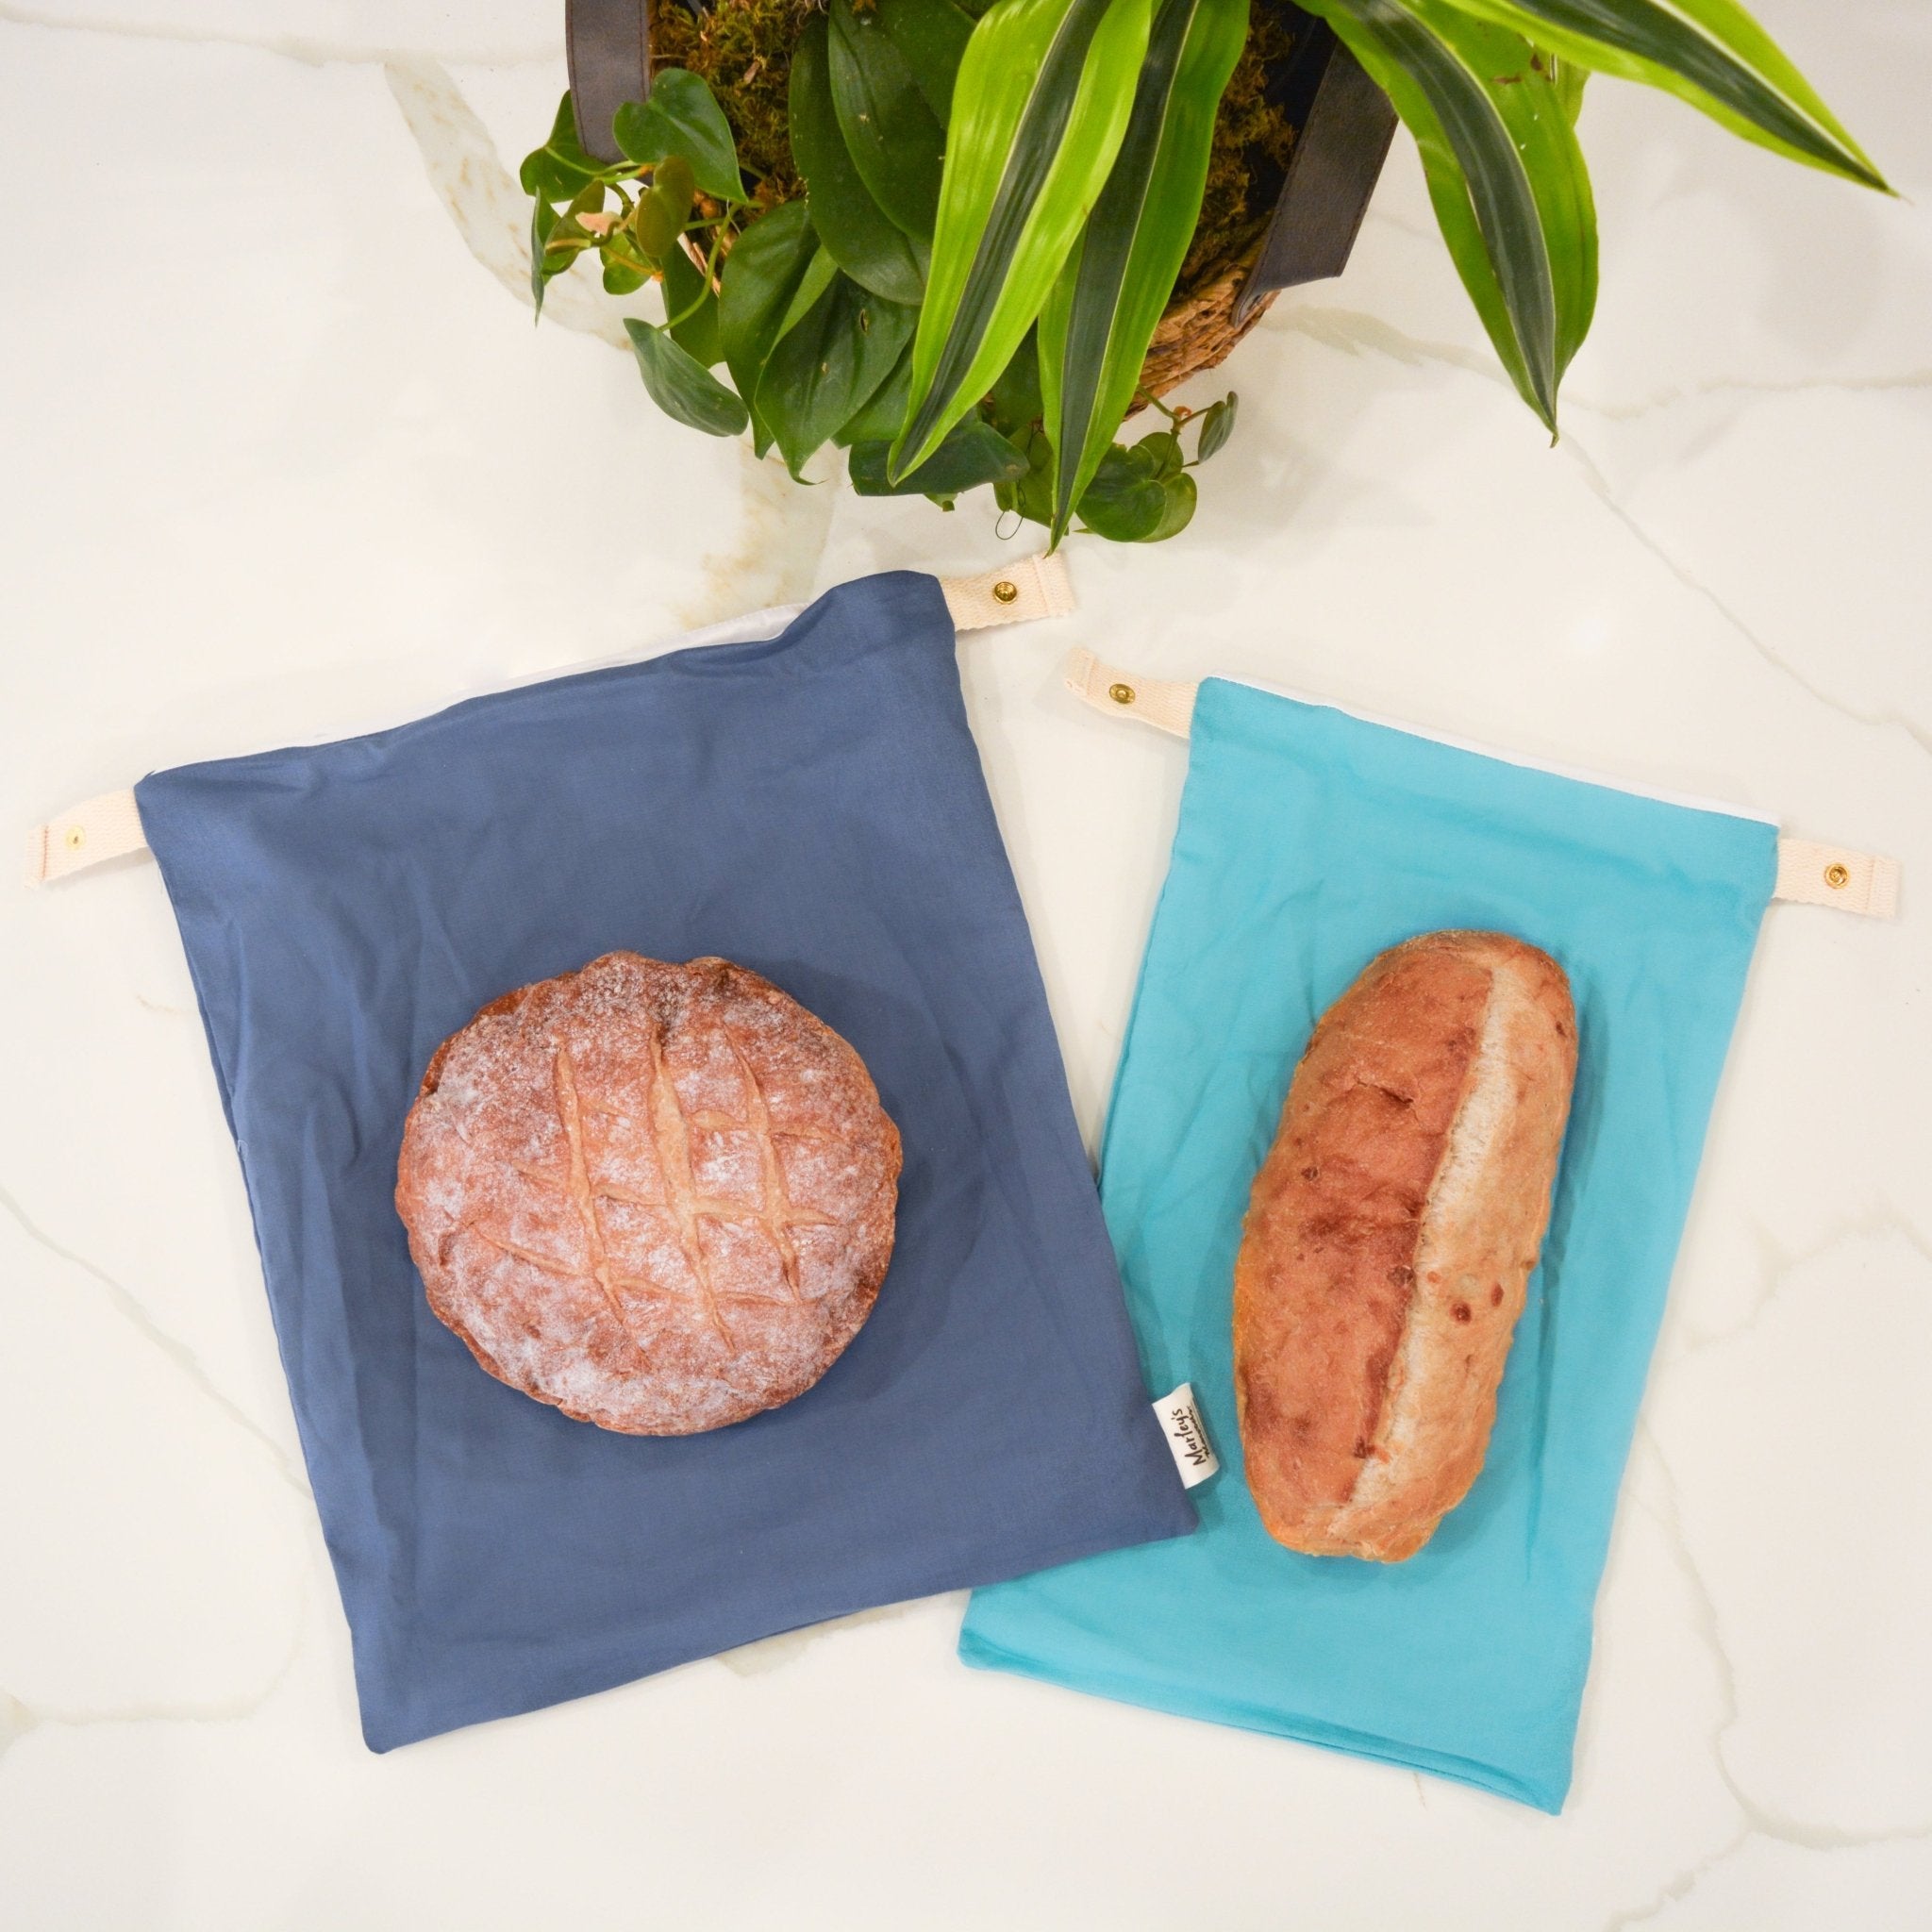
x: 813, y: 806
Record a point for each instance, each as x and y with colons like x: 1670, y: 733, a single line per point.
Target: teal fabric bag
x: 1309, y: 840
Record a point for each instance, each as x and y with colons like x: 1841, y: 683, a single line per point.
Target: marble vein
x: 1760, y: 1818
x: 128, y: 1305
x: 1782, y: 1263
x: 1599, y: 485
x: 20, y: 1719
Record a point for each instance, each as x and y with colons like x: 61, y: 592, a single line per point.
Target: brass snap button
x: 1837, y: 877
x: 76, y: 838
x: 1121, y: 693
x: 1005, y: 591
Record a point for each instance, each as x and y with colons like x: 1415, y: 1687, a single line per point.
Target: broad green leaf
x: 894, y: 138
x: 973, y: 453
x: 622, y: 275
x: 680, y: 384
x: 821, y: 369
x: 556, y: 171
x: 1013, y: 401
x: 664, y: 206
x: 1039, y: 109
x: 877, y: 419
x: 542, y: 225
x: 682, y: 118
x: 1139, y: 495
x: 931, y: 36
x: 1710, y: 53
x: 761, y: 274
x: 1216, y: 425
x: 813, y: 283
x: 1031, y: 495
x: 688, y: 295
x: 874, y: 251
x: 1106, y: 304
x: 1503, y: 170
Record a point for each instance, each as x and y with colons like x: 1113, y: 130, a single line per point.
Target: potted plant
x: 965, y: 243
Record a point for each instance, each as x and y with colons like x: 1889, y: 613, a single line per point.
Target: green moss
x: 743, y: 50
x: 1252, y: 140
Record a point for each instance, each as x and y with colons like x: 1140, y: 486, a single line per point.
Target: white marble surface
x: 284, y: 458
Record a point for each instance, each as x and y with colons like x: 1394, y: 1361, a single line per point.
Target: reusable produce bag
x: 808, y: 801
x: 1309, y: 840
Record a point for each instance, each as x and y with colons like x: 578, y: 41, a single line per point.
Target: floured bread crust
x: 1390, y: 1240
x: 657, y: 1196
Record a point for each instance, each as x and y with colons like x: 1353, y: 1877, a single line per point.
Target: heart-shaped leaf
x: 1139, y: 495
x: 680, y: 384
x: 830, y: 362
x: 761, y: 274
x: 542, y: 225
x: 559, y: 168
x: 894, y: 138
x: 690, y: 308
x: 874, y: 251
x: 973, y: 455
x: 664, y: 206
x: 879, y: 417
x: 1216, y: 426
x: 682, y: 118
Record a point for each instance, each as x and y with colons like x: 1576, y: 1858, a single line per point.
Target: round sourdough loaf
x: 658, y: 1197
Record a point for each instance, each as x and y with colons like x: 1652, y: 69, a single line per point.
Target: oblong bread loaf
x: 1390, y: 1240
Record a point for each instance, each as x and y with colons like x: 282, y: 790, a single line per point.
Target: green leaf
x: 1013, y: 401
x: 682, y: 118
x: 623, y: 277
x: 1139, y: 495
x: 664, y: 206
x: 1503, y: 170
x: 542, y: 225
x: 894, y: 138
x: 874, y: 251
x: 971, y: 454
x: 931, y: 36
x: 680, y: 384
x: 556, y: 171
x: 1710, y: 53
x: 1031, y: 495
x: 689, y: 295
x: 761, y: 274
x: 1216, y: 425
x: 1105, y: 306
x: 877, y: 419
x: 1039, y: 109
x: 816, y: 280
x: 821, y: 369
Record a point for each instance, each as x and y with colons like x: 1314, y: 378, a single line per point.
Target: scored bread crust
x: 1391, y: 1236
x: 660, y: 1197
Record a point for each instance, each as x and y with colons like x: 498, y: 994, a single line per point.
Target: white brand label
x: 1187, y: 1436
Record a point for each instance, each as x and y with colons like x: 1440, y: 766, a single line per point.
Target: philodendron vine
x: 997, y: 208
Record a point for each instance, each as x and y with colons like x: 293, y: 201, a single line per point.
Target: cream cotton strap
x: 1034, y: 587
x: 1809, y: 874
x: 97, y: 829
x: 1153, y: 700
